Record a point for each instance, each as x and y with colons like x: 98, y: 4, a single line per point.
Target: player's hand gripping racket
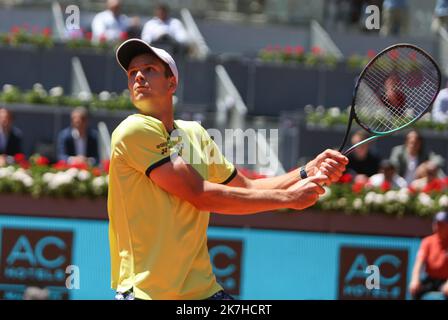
x: 393, y: 91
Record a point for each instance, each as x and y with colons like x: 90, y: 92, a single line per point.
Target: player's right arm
x: 181, y: 180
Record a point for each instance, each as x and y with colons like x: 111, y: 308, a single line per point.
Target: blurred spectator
x: 362, y: 160
x: 429, y: 178
x: 338, y: 14
x: 387, y: 176
x: 440, y: 19
x: 78, y: 143
x: 408, y: 157
x: 109, y: 25
x: 395, y: 17
x: 134, y: 27
x: 10, y: 136
x: 166, y: 30
x: 432, y: 256
x: 440, y: 106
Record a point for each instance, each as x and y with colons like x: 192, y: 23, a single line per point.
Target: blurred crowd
x: 395, y: 15
x: 111, y: 25
x: 409, y: 165
x: 75, y: 145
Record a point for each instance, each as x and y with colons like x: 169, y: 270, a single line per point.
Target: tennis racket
x: 393, y: 91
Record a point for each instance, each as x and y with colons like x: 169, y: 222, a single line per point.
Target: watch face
x: 303, y: 174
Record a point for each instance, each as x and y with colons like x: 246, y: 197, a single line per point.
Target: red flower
x: 60, y: 165
x: 394, y: 54
x: 15, y: 29
x: 88, y: 36
x: 46, y: 32
x: 79, y: 165
x: 385, y: 186
x: 346, y: 178
x: 288, y: 50
x: 413, y: 55
x: 24, y: 164
x: 434, y: 185
x: 19, y: 157
x: 371, y: 54
x: 42, y: 161
x: 96, y: 171
x: 106, y: 165
x: 103, y: 38
x: 124, y: 36
x: 26, y: 26
x: 316, y: 50
x: 299, y: 50
x: 358, y: 186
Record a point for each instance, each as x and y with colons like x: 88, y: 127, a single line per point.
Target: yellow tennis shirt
x: 158, y: 242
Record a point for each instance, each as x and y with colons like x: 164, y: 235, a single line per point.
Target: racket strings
x: 398, y: 113
x: 396, y: 90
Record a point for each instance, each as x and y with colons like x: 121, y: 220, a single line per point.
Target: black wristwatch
x: 303, y: 174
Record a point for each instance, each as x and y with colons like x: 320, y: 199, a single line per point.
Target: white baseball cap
x: 134, y: 47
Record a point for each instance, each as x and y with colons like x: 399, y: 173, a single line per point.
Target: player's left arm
x: 330, y: 163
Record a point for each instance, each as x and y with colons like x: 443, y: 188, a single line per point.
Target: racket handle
x: 348, y: 151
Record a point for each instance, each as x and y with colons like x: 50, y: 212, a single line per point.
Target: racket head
x: 395, y: 89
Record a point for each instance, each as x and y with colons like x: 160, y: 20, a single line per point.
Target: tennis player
x: 159, y: 202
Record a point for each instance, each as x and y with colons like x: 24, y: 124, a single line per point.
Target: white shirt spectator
x: 410, y: 170
x: 106, y: 25
x: 156, y: 28
x: 378, y: 179
x: 440, y: 107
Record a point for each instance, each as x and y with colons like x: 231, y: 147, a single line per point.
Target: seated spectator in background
x: 395, y: 18
x: 10, y: 136
x: 440, y: 18
x: 387, y: 176
x: 109, y: 25
x: 432, y: 256
x: 409, y: 157
x: 362, y: 161
x: 440, y: 106
x: 78, y: 144
x: 162, y: 29
x: 428, y: 179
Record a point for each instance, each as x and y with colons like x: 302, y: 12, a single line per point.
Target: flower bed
x: 316, y: 57
x: 360, y: 198
x: 55, y: 97
x: 335, y: 116
x: 26, y: 35
x: 35, y: 176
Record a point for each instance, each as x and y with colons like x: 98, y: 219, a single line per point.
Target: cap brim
x: 130, y: 49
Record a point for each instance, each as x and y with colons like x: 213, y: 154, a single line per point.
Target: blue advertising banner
x: 71, y: 258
